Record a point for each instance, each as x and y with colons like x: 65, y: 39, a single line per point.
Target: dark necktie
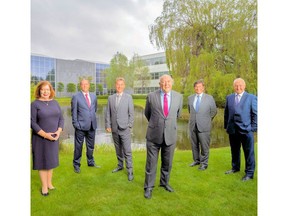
x: 87, y: 100
x: 165, y: 105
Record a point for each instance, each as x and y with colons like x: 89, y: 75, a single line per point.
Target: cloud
x: 92, y: 30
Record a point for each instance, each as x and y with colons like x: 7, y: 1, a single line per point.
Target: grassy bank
x: 101, y: 192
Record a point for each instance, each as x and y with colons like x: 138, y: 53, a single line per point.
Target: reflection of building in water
x: 66, y: 72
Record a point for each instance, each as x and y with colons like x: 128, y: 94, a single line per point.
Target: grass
x: 101, y: 192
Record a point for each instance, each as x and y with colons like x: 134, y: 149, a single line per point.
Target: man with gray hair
x: 162, y: 109
x: 240, y: 122
x: 119, y: 118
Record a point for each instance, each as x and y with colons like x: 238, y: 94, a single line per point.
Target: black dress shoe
x: 44, y: 194
x: 148, y: 193
x: 231, y: 171
x: 194, y: 164
x: 76, y: 169
x: 94, y: 165
x: 117, y: 169
x: 247, y: 178
x: 167, y: 187
x: 130, y: 176
x: 202, y: 168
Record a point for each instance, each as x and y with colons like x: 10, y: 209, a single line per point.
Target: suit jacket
x: 203, y: 118
x: 158, y: 124
x: 243, y: 117
x: 122, y: 117
x: 83, y: 116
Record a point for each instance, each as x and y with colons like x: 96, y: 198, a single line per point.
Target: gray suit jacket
x: 122, y: 117
x: 82, y: 115
x: 158, y: 123
x: 206, y: 113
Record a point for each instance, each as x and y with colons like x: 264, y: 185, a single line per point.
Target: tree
x: 208, y: 39
x: 92, y: 87
x: 119, y: 68
x: 89, y: 78
x: 140, y: 71
x: 99, y: 88
x: 71, y: 88
x: 60, y: 87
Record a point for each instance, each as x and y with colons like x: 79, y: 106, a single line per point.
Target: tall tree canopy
x: 119, y: 67
x: 211, y: 39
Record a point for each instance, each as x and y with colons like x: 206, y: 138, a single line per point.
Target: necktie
x: 165, y: 105
x: 237, y: 99
x: 117, y: 100
x: 197, y: 104
x: 87, y: 99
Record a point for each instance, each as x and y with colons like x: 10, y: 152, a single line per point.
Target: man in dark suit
x: 202, y: 109
x: 83, y: 108
x: 162, y: 109
x: 240, y: 122
x: 119, y: 118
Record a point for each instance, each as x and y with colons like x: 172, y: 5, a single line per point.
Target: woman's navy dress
x: 45, y: 115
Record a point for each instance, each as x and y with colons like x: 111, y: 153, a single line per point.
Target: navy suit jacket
x: 83, y: 117
x: 243, y: 117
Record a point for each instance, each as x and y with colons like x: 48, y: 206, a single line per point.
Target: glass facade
x: 43, y: 68
x: 68, y: 71
x: 101, y: 86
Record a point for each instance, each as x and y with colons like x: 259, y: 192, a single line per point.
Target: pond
x: 219, y: 138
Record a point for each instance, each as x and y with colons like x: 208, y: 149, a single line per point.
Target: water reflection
x: 219, y: 138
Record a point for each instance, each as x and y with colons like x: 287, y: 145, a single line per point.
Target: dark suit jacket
x: 158, y: 123
x: 122, y: 117
x: 243, y: 117
x: 83, y: 116
x: 203, y: 118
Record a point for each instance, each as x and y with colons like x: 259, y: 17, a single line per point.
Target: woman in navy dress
x: 47, y: 123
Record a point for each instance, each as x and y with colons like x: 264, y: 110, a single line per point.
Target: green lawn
x: 101, y: 192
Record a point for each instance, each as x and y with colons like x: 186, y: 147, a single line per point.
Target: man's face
x: 239, y: 86
x: 166, y: 84
x: 120, y: 86
x: 85, y: 85
x: 199, y: 88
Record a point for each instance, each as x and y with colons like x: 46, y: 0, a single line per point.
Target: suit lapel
x: 158, y: 101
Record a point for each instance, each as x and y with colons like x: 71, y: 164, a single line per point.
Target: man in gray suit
x: 162, y: 109
x: 202, y: 109
x: 119, y: 118
x: 83, y: 109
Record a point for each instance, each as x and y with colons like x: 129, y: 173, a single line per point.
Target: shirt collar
x: 162, y: 93
x: 199, y: 95
x: 240, y: 94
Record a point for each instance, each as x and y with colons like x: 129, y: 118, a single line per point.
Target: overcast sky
x: 92, y: 29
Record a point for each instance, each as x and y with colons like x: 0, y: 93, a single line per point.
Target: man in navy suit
x: 83, y: 109
x: 240, y: 122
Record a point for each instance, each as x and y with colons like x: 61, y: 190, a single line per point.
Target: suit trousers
x: 78, y: 145
x: 200, y: 143
x: 247, y: 141
x: 167, y: 153
x: 122, y: 143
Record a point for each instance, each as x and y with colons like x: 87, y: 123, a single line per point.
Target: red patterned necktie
x: 166, y: 111
x: 87, y: 100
